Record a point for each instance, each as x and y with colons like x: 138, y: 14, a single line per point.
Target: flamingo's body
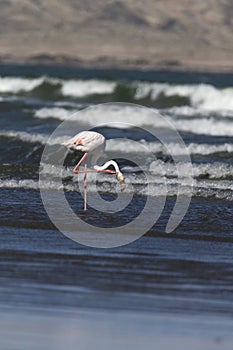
x: 92, y: 143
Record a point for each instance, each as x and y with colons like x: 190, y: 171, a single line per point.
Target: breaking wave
x: 32, y: 137
x: 140, y: 118
x: 215, y: 170
x: 127, y: 146
x: 55, y: 112
x: 200, y: 97
x: 72, y: 88
x: 84, y: 88
x: 15, y: 84
x: 159, y: 186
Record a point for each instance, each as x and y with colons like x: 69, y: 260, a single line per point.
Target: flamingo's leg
x: 75, y: 171
x: 85, y: 186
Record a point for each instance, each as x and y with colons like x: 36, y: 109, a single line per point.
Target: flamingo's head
x: 120, y: 177
x: 74, y: 144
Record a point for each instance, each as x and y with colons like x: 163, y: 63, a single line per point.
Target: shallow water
x: 50, y: 329
x: 171, y: 288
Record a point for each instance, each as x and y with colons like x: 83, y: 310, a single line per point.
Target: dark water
x: 185, y: 274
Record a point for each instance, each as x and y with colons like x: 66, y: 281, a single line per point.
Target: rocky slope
x: 192, y: 34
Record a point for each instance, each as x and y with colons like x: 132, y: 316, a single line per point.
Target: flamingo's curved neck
x: 107, y: 164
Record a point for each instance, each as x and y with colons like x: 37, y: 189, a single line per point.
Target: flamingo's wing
x: 91, y: 141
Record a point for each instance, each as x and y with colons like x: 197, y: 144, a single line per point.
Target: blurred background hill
x: 188, y: 34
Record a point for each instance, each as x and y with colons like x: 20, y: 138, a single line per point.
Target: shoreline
x: 108, y: 63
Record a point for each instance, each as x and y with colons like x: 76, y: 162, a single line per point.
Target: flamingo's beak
x: 79, y: 142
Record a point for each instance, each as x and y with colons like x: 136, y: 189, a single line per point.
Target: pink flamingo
x: 92, y: 143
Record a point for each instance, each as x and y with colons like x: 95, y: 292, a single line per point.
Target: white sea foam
x: 73, y: 88
x: 204, y: 126
x: 216, y: 170
x: 33, y: 137
x: 34, y: 185
x: 127, y: 146
x: 188, y: 111
x: 159, y: 186
x: 204, y: 96
x: 14, y: 85
x: 82, y: 88
x: 55, y: 112
x: 126, y: 116
x: 158, y: 169
x: 161, y: 176
x: 130, y: 116
x: 17, y: 84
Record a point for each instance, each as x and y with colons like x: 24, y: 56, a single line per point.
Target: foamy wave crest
x: 159, y: 186
x: 156, y: 172
x: 127, y: 146
x: 73, y: 88
x: 15, y: 85
x: 132, y: 116
x: 215, y: 170
x: 187, y: 111
x: 202, y: 96
x: 82, y: 88
x: 34, y: 185
x: 33, y: 138
x: 128, y: 116
x: 161, y: 176
x: 204, y: 126
x: 56, y: 112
